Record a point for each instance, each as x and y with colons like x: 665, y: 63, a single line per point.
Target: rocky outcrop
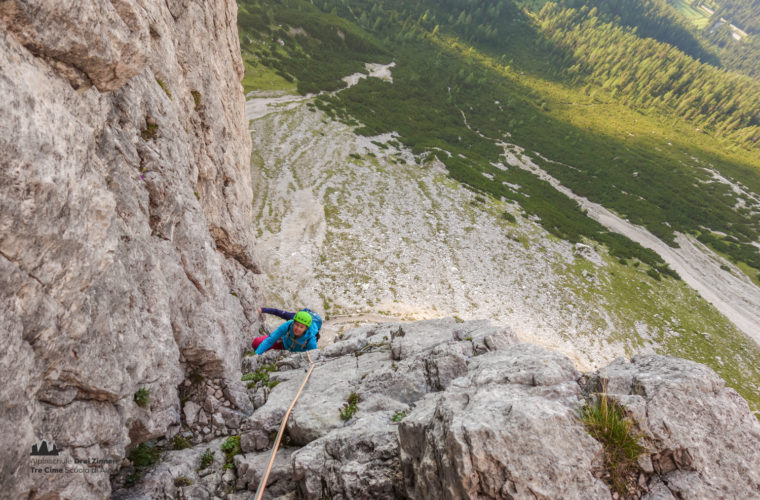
x: 462, y: 410
x: 125, y: 257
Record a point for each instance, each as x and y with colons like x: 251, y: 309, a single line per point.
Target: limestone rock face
x: 125, y: 256
x: 462, y: 410
x: 704, y: 439
x: 508, y: 428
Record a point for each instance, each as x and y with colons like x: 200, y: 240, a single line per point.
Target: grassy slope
x: 543, y: 115
x: 699, y: 17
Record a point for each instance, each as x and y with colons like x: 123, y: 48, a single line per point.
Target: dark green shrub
x: 508, y: 217
x: 144, y: 455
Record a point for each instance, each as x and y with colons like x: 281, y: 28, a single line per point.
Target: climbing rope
x: 263, y: 482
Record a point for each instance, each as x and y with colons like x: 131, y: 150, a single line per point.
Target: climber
x: 299, y: 333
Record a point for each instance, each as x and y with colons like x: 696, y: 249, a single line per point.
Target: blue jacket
x: 305, y: 342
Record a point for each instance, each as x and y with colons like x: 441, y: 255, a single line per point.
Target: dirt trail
x: 732, y: 293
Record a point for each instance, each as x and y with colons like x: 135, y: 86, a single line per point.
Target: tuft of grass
x: 349, y: 407
x: 181, y: 481
x: 181, y: 443
x: 142, y: 397
x: 165, y: 87
x: 231, y: 447
x: 606, y: 422
x: 207, y: 458
x: 144, y: 455
x: 150, y: 130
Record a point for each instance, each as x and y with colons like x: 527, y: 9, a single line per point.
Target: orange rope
x: 263, y: 482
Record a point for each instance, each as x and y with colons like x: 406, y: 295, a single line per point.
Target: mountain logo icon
x: 43, y: 449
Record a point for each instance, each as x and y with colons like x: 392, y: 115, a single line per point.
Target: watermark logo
x: 45, y: 458
x: 43, y: 449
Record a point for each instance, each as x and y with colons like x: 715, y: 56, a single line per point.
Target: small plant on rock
x: 398, y: 416
x: 606, y: 422
x: 150, y: 130
x: 231, y: 447
x: 164, y: 87
x: 349, y: 407
x: 207, y: 458
x: 261, y: 376
x: 180, y: 481
x: 181, y: 443
x: 144, y: 455
x: 142, y: 397
x: 196, y: 99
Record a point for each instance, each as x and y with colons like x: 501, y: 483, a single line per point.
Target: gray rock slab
x: 698, y: 431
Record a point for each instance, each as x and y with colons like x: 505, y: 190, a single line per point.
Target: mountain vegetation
x: 743, y: 13
x: 625, y: 103
x: 612, y: 113
x: 717, y: 24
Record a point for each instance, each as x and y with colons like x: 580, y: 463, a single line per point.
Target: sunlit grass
x: 606, y: 422
x: 260, y: 77
x: 699, y: 17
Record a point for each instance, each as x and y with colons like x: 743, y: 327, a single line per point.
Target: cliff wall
x: 125, y: 254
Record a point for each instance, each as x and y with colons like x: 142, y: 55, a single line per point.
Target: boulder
x: 509, y: 428
x: 701, y: 435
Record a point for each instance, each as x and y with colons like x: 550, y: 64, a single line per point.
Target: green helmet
x: 303, y: 317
